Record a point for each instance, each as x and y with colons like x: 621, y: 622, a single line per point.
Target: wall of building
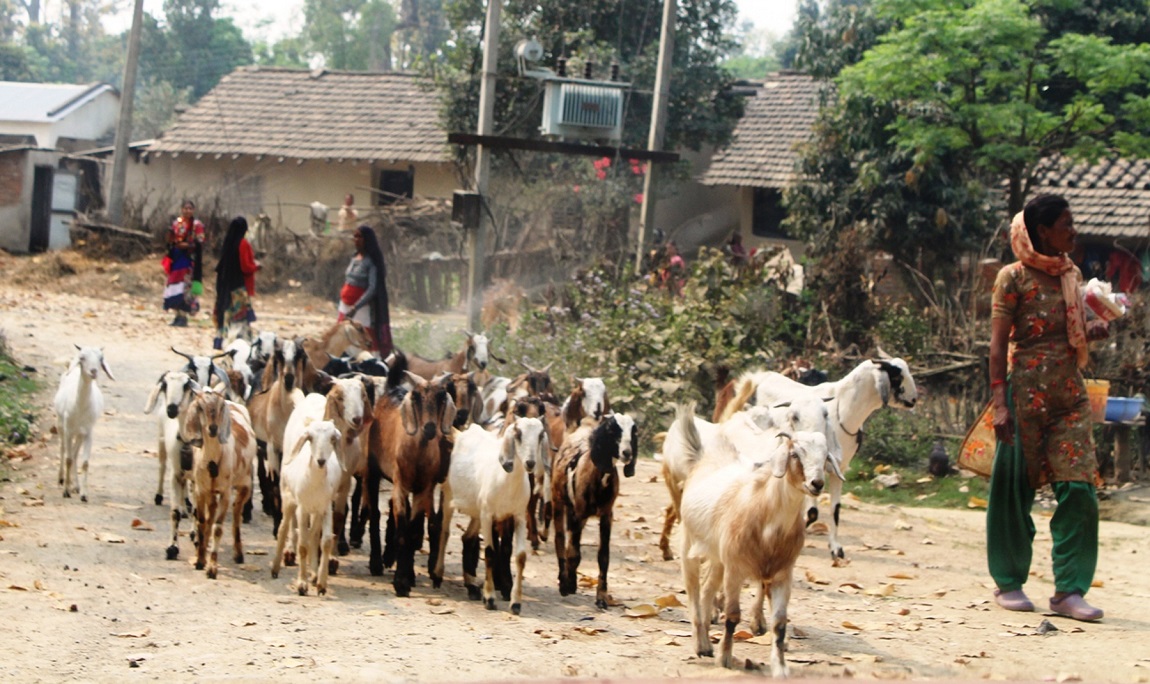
x: 283, y: 190
x: 92, y: 121
x: 16, y: 180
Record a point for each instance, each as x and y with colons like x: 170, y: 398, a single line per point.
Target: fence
x: 440, y: 283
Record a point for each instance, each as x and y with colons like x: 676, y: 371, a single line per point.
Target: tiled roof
x: 297, y: 114
x: 1109, y: 199
x: 762, y: 152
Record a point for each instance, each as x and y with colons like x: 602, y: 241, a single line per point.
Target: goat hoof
x: 375, y: 568
x: 506, y: 594
x: 332, y: 566
x: 534, y: 546
x: 474, y: 593
x: 247, y: 517
x: 342, y: 548
x: 321, y: 591
x: 84, y: 498
x: 705, y: 653
x: 356, y: 543
x: 159, y: 499
x: 212, y: 573
x: 302, y: 588
x: 515, y: 608
x: 199, y: 565
x: 402, y: 591
x: 289, y: 558
x: 436, y: 582
x: 601, y: 604
x: 758, y: 628
x: 173, y: 552
x: 667, y: 555
x: 489, y: 604
x: 837, y: 553
x: 239, y: 558
x: 275, y: 574
x: 67, y: 494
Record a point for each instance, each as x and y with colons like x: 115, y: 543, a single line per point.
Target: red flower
x: 638, y: 198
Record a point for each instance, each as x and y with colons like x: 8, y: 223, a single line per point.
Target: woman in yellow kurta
x: 1041, y: 412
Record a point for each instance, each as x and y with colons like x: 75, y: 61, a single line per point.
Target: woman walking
x: 184, y: 265
x: 364, y: 294
x: 1042, y: 414
x: 235, y: 285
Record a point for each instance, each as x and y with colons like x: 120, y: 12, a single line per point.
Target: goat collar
x: 857, y: 435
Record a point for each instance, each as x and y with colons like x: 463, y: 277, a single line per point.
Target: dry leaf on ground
x: 643, y: 610
x: 668, y: 601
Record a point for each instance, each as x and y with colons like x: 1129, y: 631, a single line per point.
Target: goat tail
x: 744, y: 390
x: 688, y: 432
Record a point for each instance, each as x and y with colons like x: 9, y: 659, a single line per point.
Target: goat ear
x: 160, y: 387
x: 882, y: 384
x: 295, y: 449
x: 448, y: 418
x: 225, y: 432
x: 606, y: 404
x: 407, y: 413
x: 783, y: 456
x: 104, y: 365
x: 192, y: 428
x: 414, y: 379
x: 836, y: 465
x: 78, y: 347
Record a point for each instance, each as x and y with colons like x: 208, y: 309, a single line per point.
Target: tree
x: 198, y: 49
x: 969, y: 79
x: 350, y: 34
x: 754, y: 57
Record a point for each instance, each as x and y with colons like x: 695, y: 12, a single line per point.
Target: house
x: 277, y: 140
x: 759, y: 163
x: 42, y: 181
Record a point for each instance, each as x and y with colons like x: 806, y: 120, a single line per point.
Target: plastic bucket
x: 1098, y: 391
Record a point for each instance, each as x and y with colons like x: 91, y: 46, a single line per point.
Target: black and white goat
x: 585, y: 483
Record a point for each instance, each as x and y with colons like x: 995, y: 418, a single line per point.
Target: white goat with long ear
x: 872, y: 385
x: 176, y: 389
x: 79, y: 404
x: 744, y: 521
x: 490, y: 480
x: 310, y: 477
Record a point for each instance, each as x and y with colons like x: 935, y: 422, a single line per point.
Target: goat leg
x: 375, y: 562
x: 490, y: 559
x: 520, y: 551
x: 471, y: 560
x: 670, y: 515
x: 696, y: 607
x: 505, y: 542
x: 601, y: 595
x: 359, y: 513
x: 266, y: 494
x: 574, y: 550
x: 732, y: 583
x: 780, y: 588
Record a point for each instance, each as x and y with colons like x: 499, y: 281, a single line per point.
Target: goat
x: 241, y: 375
x: 490, y: 481
x: 588, y: 399
x: 348, y: 406
x: 177, y: 388
x: 263, y: 346
x: 204, y: 368
x: 270, y: 410
x: 346, y: 336
x: 310, y: 478
x: 850, y: 401
x: 475, y: 353
x: 585, y: 483
x: 410, y: 445
x: 79, y: 404
x: 744, y: 520
x: 224, y: 449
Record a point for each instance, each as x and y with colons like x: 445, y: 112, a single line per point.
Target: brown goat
x: 270, y: 410
x: 341, y: 337
x: 410, y: 445
x: 221, y: 433
x: 585, y: 483
x: 474, y: 353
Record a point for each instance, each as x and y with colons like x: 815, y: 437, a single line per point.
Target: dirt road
x: 85, y: 595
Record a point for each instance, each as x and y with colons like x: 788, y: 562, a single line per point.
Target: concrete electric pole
x: 124, y: 124
x: 658, y: 126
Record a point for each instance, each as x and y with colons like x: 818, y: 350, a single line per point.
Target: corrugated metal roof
x: 762, y: 151
x: 1109, y: 199
x: 45, y: 102
x: 297, y: 114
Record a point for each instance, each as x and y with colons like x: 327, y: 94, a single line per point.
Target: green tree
x: 969, y: 81
x: 155, y: 107
x: 755, y: 55
x: 199, y: 48
x: 350, y: 34
x: 701, y: 110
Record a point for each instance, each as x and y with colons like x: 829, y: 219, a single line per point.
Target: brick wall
x: 11, y: 179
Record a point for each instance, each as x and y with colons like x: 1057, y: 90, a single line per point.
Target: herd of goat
x: 318, y: 422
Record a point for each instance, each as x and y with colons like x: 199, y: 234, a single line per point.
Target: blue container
x: 1123, y: 409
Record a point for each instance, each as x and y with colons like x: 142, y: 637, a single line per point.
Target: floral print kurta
x: 1050, y: 400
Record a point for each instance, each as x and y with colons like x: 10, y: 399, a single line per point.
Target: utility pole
x: 477, y: 239
x: 658, y: 125
x: 124, y: 124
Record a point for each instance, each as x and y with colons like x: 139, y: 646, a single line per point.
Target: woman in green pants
x: 1041, y: 412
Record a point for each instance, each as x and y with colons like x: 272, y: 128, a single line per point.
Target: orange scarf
x: 1062, y: 267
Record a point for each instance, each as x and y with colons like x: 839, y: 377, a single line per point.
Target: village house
x: 276, y: 140
x: 43, y: 180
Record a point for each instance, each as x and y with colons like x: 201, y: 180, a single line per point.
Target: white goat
x: 310, y: 476
x: 744, y: 520
x: 79, y: 404
x: 176, y: 387
x: 490, y: 481
x: 850, y: 401
x: 239, y: 353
